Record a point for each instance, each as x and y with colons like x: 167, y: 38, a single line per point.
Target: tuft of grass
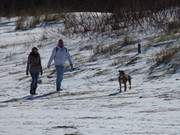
x: 132, y: 60
x: 124, y: 60
x: 167, y: 37
x: 166, y: 55
x: 100, y: 72
x: 20, y: 23
x: 116, y: 62
x: 34, y: 21
x: 24, y: 23
x: 111, y: 49
x: 128, y: 40
x: 53, y: 17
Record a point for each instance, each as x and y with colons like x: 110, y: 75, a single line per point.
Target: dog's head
x: 121, y: 72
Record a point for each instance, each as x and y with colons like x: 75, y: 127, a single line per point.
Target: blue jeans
x: 34, y: 82
x: 60, y: 74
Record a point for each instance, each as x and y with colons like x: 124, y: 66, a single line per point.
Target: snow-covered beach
x: 84, y: 107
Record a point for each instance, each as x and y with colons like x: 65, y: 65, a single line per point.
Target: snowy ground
x: 151, y: 107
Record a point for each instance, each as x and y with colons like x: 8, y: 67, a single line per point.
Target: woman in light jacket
x: 60, y: 54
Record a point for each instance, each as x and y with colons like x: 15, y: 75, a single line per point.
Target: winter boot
x: 32, y: 92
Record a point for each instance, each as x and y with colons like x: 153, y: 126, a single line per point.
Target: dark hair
x: 60, y: 41
x: 34, y: 48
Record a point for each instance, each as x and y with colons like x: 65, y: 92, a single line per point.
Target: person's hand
x: 71, y: 66
x: 48, y: 66
x: 41, y: 72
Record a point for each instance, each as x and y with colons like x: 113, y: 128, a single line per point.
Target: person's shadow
x: 29, y: 97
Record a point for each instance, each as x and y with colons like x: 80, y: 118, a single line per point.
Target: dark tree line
x: 124, y: 13
x: 37, y: 7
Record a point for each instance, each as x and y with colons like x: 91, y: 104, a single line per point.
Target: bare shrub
x: 86, y: 22
x: 116, y: 14
x: 173, y: 27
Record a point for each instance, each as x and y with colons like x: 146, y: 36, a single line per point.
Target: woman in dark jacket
x: 35, y: 68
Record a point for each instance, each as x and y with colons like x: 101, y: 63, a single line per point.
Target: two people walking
x: 59, y: 54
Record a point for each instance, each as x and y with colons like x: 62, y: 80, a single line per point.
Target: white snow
x: 84, y: 107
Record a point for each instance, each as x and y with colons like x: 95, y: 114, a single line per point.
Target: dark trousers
x: 34, y: 82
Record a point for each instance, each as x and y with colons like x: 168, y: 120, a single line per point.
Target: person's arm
x: 40, y: 64
x: 28, y: 65
x: 69, y: 59
x: 52, y: 57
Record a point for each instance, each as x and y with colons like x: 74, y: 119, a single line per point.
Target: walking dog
x: 123, y: 78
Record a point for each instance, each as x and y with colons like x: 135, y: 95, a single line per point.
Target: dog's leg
x: 129, y: 79
x: 125, y: 86
x: 119, y: 79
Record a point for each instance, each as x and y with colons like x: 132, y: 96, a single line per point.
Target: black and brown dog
x: 123, y: 78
